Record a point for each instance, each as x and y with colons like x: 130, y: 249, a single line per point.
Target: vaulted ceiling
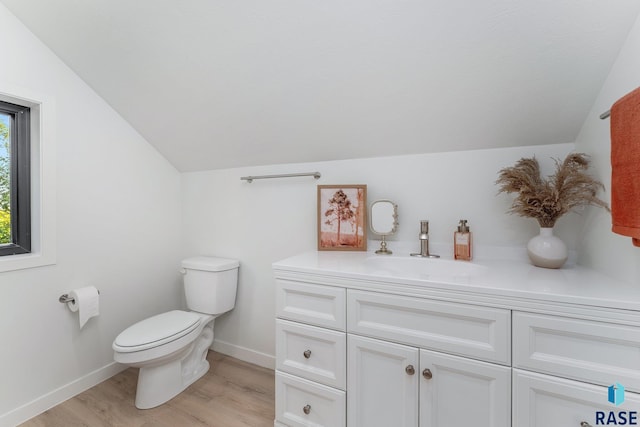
x: 216, y: 84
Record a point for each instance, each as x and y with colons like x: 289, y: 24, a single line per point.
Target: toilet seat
x: 156, y: 331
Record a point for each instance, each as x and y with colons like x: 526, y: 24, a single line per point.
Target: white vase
x: 546, y: 250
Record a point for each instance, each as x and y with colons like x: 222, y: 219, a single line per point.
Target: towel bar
x: 250, y: 179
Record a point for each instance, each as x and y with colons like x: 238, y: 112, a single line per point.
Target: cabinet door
x: 460, y: 392
x: 382, y: 383
x: 546, y: 401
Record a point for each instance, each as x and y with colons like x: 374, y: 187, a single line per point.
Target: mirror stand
x: 383, y: 247
x: 383, y: 222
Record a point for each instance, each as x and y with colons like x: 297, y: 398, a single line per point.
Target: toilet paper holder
x: 65, y: 298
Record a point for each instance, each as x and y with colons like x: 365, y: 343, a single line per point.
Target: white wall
x: 602, y: 249
x: 118, y: 220
x: 118, y: 225
x: 268, y: 220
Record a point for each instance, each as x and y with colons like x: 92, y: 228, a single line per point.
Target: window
x: 15, y: 177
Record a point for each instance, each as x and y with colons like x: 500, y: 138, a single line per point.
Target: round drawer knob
x: 427, y: 374
x: 307, y: 354
x: 410, y: 370
x: 307, y: 409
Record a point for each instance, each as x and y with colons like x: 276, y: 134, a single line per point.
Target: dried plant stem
x: 546, y: 200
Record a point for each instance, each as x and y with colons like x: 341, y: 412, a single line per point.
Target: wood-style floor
x: 232, y: 394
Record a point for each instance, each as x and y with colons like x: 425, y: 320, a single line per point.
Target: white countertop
x: 506, y: 278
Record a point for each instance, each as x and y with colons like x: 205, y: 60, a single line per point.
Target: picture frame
x: 342, y: 217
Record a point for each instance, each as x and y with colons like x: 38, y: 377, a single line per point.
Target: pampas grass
x: 546, y: 200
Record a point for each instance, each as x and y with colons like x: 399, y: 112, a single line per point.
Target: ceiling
x: 216, y: 84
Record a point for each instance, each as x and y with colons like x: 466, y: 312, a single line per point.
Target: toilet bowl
x: 171, y: 348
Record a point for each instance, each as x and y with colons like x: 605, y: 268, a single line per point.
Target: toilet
x: 171, y: 348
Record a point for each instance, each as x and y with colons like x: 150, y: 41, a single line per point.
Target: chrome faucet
x: 424, y: 241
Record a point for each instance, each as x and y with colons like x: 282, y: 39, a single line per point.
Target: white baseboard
x: 49, y: 400
x: 245, y: 354
x: 55, y: 397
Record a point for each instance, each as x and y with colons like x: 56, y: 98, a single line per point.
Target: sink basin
x: 433, y: 268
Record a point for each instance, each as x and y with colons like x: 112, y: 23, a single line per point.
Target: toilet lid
x: 156, y: 330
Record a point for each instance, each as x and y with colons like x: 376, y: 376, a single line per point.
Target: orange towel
x: 625, y: 166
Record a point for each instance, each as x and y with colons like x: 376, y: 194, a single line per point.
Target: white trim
x: 245, y: 354
x: 59, y: 395
x: 43, y: 179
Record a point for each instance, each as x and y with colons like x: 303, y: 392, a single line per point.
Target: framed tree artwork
x: 342, y: 217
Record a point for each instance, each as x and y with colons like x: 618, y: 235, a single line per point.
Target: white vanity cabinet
x: 370, y: 359
x: 397, y: 385
x: 357, y: 348
x: 563, y: 367
x: 395, y: 374
x: 310, y: 355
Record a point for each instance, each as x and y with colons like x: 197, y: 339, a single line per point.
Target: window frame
x: 20, y: 178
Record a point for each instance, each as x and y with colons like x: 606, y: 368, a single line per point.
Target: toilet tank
x: 210, y: 284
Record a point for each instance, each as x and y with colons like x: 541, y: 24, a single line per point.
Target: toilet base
x: 160, y: 383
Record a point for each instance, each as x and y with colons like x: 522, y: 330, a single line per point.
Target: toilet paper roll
x: 86, y: 301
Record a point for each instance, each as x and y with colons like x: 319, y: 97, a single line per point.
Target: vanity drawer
x: 477, y: 332
x: 313, y: 304
x: 597, y: 352
x: 310, y: 352
x: 303, y: 403
x: 545, y: 401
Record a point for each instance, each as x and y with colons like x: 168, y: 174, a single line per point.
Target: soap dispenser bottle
x: 462, y: 242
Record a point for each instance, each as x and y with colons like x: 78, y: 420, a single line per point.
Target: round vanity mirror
x: 383, y: 221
